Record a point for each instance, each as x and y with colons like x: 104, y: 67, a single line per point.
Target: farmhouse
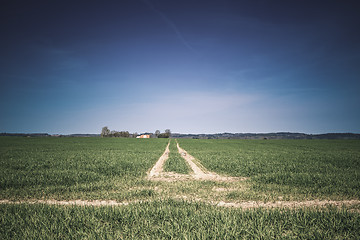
x: 144, y: 136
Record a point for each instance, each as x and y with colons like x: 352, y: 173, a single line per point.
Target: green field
x: 72, y: 168
x: 116, y: 169
x: 292, y: 169
x: 174, y: 220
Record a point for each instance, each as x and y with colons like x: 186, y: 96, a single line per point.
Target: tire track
x: 159, y: 165
x: 200, y: 172
x: 243, y: 205
x: 157, y: 173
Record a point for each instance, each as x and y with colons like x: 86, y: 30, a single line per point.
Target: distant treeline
x: 106, y: 132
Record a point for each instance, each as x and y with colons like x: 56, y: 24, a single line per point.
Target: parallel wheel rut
x: 157, y: 173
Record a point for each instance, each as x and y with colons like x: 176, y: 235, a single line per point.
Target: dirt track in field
x: 289, y: 204
x: 157, y: 172
x: 159, y: 165
x: 70, y: 202
x: 199, y: 172
x: 242, y: 205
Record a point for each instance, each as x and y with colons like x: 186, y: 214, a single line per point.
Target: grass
x: 114, y: 168
x: 71, y: 168
x: 175, y: 163
x: 290, y: 169
x: 174, y: 220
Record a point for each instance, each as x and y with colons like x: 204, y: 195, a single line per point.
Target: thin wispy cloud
x: 171, y: 24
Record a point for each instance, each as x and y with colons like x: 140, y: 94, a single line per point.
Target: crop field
x: 174, y: 220
x: 289, y: 169
x: 264, y: 181
x: 76, y: 168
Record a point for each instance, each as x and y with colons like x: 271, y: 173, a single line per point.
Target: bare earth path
x: 243, y: 205
x: 289, y: 204
x: 159, y: 165
x: 157, y: 172
x: 199, y: 172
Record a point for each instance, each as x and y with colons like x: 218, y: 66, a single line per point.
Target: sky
x: 190, y: 66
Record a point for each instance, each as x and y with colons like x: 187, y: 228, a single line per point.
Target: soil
x: 70, y: 202
x: 243, y: 205
x: 289, y: 204
x: 159, y: 165
x: 199, y: 172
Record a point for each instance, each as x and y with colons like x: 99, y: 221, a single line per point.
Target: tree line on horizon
x: 106, y: 132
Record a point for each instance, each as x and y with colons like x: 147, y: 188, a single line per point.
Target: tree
x: 168, y: 133
x: 105, y: 132
x: 157, y: 133
x: 125, y: 134
x: 163, y: 135
x: 113, y: 133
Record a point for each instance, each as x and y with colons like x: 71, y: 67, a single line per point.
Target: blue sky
x: 190, y: 66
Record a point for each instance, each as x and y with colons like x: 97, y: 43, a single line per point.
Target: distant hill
x: 47, y: 135
x: 25, y: 134
x: 278, y: 135
x: 83, y: 135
